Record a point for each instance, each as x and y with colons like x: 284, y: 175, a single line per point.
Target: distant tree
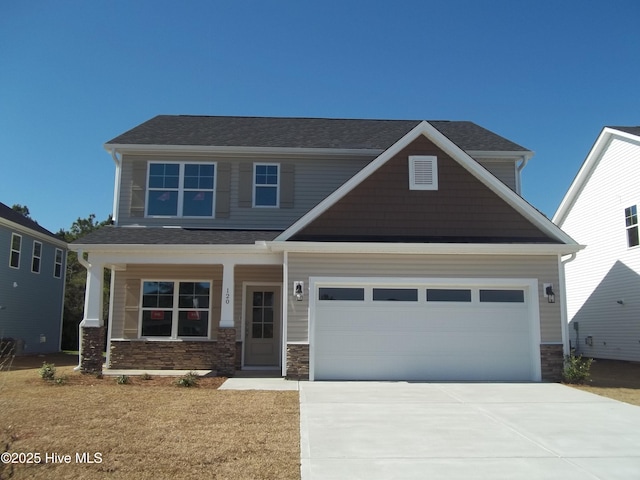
x: 76, y: 281
x: 22, y: 210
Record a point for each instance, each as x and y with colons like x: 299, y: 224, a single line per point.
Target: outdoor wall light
x: 297, y: 290
x: 548, y: 291
x: 620, y: 302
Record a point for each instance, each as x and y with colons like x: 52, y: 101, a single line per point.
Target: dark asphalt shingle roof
x: 174, y: 236
x: 9, y: 214
x: 631, y: 130
x: 300, y: 133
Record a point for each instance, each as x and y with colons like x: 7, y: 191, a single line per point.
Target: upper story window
x: 631, y: 220
x: 16, y: 246
x: 57, y: 266
x: 266, y: 184
x: 181, y: 189
x: 36, y: 257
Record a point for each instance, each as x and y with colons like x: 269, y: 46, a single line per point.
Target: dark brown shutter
x: 223, y: 190
x: 245, y: 193
x: 138, y: 189
x: 287, y: 185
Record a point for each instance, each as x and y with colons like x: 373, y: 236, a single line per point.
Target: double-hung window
x: 175, y: 309
x: 16, y: 247
x: 57, y: 266
x: 266, y: 185
x: 36, y: 257
x: 631, y: 220
x: 181, y: 189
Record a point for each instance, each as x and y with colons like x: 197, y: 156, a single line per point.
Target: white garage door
x: 424, y: 332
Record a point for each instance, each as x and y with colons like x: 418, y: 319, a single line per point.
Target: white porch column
x: 93, y: 296
x: 226, y: 310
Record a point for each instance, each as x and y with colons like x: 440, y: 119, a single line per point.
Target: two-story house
x: 600, y: 210
x: 328, y: 248
x: 32, y: 275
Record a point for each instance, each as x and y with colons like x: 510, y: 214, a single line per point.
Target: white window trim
x: 175, y: 309
x: 181, y: 189
x: 414, y: 184
x: 56, y: 263
x: 276, y: 186
x: 627, y: 228
x: 19, y: 251
x: 34, y: 256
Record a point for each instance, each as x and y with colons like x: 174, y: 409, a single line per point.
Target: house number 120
x: 227, y: 297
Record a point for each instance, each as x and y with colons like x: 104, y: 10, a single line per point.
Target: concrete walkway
x: 387, y: 430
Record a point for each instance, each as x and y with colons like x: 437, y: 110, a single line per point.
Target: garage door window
x: 395, y: 294
x: 502, y: 296
x: 448, y: 295
x: 336, y: 293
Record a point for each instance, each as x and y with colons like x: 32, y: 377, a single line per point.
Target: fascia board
x: 500, y: 155
x: 587, y: 168
x: 238, y: 151
x: 424, y: 248
x: 33, y: 233
x: 174, y: 250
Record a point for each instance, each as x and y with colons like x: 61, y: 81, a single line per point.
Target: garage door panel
x: 373, y: 340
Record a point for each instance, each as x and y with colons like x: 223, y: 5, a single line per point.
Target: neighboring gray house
x: 32, y: 275
x: 327, y: 248
x: 600, y: 210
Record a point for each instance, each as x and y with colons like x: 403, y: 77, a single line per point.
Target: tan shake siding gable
x: 543, y: 268
x: 383, y: 205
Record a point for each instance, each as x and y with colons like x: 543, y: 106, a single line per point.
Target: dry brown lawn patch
x: 148, y: 429
x: 614, y: 379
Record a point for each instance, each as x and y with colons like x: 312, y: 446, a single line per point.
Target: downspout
x: 563, y: 303
x: 116, y: 188
x: 519, y: 168
x: 87, y: 266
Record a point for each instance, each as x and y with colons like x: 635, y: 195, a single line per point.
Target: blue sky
x: 74, y: 74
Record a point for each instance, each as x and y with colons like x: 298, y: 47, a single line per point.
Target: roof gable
x: 599, y: 148
x: 445, y: 146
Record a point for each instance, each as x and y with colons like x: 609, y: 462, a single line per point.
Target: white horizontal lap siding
x: 543, y: 268
x: 607, y: 270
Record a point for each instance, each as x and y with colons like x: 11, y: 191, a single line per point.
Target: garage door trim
x: 529, y: 285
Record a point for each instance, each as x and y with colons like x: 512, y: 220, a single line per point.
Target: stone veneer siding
x: 169, y: 355
x: 297, y: 361
x: 552, y: 362
x: 226, y: 352
x: 92, y: 348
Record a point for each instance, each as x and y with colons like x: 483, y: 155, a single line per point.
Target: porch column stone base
x: 91, y: 359
x: 551, y: 362
x: 297, y: 361
x: 226, y: 352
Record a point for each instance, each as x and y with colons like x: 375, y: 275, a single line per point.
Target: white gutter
x: 563, y: 303
x: 87, y: 266
x: 425, y: 248
x: 116, y: 188
x: 519, y: 168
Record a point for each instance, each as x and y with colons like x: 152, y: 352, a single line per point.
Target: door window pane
x: 448, y: 295
x: 341, y: 293
x: 502, y: 296
x: 395, y: 294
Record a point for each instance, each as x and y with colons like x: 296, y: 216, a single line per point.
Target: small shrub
x: 145, y: 376
x: 188, y: 380
x: 576, y: 369
x: 47, y: 371
x: 61, y: 380
x: 122, y: 379
x: 98, y: 375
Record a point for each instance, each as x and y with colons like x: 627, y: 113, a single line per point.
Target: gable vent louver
x: 423, y: 172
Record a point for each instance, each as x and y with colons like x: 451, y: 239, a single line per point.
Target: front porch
x: 217, y: 313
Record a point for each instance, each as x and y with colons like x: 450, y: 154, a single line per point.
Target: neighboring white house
x: 600, y: 210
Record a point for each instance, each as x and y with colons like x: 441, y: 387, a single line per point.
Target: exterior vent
x: 423, y: 172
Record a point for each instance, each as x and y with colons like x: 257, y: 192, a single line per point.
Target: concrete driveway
x: 398, y: 430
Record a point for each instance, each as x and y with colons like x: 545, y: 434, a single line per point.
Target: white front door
x: 262, y: 326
